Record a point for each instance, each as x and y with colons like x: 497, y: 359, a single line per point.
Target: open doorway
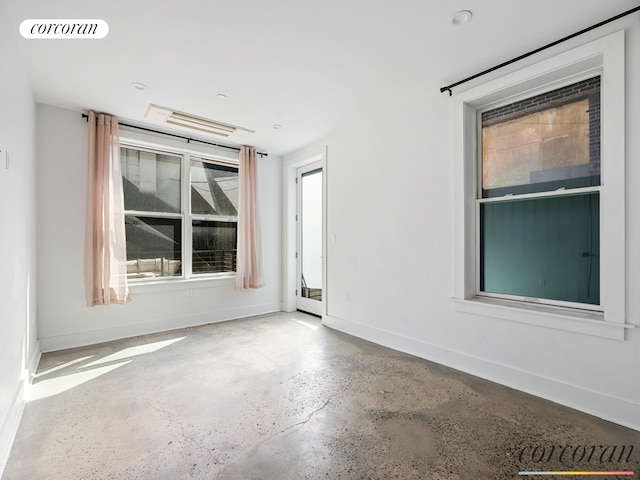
x: 309, y: 200
x: 294, y: 167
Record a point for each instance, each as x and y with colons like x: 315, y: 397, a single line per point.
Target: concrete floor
x: 281, y: 397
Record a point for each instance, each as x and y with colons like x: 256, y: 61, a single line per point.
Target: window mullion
x: 187, y: 226
x: 478, y: 254
x: 213, y: 218
x: 553, y: 193
x: 141, y: 213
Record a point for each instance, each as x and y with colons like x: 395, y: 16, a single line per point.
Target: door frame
x: 291, y: 163
x: 306, y: 304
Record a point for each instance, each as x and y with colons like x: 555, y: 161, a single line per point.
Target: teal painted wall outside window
x: 542, y: 248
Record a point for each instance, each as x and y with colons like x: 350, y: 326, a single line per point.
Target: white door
x: 309, y: 292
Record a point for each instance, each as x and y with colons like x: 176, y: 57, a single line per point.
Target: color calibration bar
x: 576, y: 473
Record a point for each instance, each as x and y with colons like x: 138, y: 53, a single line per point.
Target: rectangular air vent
x: 203, y: 125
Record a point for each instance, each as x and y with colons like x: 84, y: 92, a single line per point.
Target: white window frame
x: 604, y: 57
x: 185, y: 215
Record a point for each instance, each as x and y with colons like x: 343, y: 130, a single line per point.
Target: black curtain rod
x: 552, y: 44
x: 188, y: 139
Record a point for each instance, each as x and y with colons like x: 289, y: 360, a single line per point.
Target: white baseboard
x: 620, y: 411
x: 9, y: 427
x: 117, y: 332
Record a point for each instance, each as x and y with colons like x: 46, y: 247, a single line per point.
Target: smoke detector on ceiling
x: 172, y: 117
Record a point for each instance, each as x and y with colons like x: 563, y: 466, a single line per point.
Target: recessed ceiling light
x: 221, y: 96
x: 461, y: 17
x: 277, y: 126
x: 139, y: 86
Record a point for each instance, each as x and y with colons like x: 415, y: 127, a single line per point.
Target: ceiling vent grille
x: 203, y: 125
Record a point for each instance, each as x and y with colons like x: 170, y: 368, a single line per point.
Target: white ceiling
x: 303, y: 64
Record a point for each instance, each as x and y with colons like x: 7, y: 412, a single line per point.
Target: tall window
x: 538, y: 200
x: 540, y: 193
x: 181, y: 214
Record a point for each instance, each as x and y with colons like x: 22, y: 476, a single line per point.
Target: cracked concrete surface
x: 271, y: 398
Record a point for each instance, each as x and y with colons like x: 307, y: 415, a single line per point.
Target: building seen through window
x: 539, y: 199
x: 165, y: 226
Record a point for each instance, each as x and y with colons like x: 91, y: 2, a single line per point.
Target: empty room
x: 302, y: 240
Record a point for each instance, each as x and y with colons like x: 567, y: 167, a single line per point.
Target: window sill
x: 577, y: 321
x: 177, y: 284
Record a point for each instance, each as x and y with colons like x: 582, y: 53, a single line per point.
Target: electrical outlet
x: 189, y: 292
x: 346, y: 296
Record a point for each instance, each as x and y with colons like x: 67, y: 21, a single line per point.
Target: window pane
x: 214, y: 189
x: 311, y: 234
x: 542, y: 248
x: 543, y: 143
x: 154, y: 246
x: 214, y: 246
x: 151, y: 181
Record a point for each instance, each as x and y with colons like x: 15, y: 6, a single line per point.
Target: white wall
x: 18, y: 344
x: 390, y: 206
x: 64, y: 320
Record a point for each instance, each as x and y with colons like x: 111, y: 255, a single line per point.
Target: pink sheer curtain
x: 105, y: 243
x: 249, y: 260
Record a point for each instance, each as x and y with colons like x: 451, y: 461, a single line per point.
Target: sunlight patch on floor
x: 58, y: 385
x: 62, y: 366
x: 133, y: 352
x: 308, y: 325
